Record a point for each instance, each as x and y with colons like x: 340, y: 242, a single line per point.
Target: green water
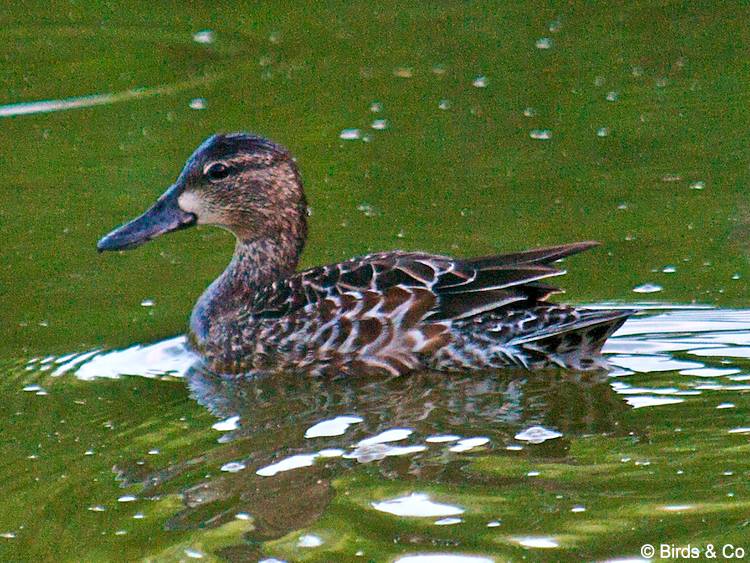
x: 645, y: 106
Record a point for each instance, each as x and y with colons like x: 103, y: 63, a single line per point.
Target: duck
x: 383, y: 314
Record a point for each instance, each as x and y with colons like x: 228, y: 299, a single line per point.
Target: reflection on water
x: 284, y: 447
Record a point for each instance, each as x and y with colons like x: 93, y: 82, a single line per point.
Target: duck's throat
x: 255, y: 264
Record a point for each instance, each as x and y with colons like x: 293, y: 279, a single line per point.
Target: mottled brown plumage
x: 385, y: 313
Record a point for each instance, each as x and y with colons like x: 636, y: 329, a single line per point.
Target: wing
x: 454, y: 288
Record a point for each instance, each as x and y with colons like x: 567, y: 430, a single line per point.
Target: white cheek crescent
x: 191, y: 203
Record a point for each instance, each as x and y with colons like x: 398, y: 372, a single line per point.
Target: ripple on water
x: 443, y: 558
x: 417, y: 505
x: 332, y: 427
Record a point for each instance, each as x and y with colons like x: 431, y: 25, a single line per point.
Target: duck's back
x: 395, y: 312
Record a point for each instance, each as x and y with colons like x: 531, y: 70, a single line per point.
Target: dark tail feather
x: 534, y: 256
x: 577, y: 345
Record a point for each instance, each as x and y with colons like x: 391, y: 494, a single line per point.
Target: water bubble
x: 368, y: 209
x: 198, y: 103
x: 612, y: 96
x: 350, y: 134
x: 480, y: 82
x: 493, y: 524
x: 8, y: 535
x: 127, y: 498
x: 233, y: 467
x: 537, y: 435
x: 148, y: 303
x: 541, y: 134
x: 647, y: 288
x: 669, y: 269
x: 529, y: 112
x: 444, y: 104
x: 448, y: 521
x: 602, y: 132
x: 193, y: 553
x: 154, y: 452
x: 379, y: 124
x: 97, y: 508
x: 242, y: 516
x: 533, y: 474
x: 725, y: 406
x: 204, y: 36
x: 309, y: 540
x: 736, y: 276
x: 543, y: 43
x: 578, y: 509
x: 467, y: 444
x: 538, y: 542
x: 32, y: 388
x: 698, y: 185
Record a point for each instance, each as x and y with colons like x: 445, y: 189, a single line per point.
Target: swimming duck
x: 384, y: 313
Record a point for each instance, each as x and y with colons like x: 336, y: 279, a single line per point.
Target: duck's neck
x: 255, y: 264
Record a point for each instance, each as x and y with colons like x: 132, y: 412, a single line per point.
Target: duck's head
x: 238, y: 181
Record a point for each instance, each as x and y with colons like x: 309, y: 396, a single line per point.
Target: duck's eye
x: 217, y: 171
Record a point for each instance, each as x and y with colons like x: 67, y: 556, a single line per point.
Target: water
x: 102, y: 401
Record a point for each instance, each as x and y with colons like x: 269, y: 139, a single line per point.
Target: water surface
x: 454, y: 128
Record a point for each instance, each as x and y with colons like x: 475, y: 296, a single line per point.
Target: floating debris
x: 403, y: 72
x: 698, y: 185
x: 376, y: 107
